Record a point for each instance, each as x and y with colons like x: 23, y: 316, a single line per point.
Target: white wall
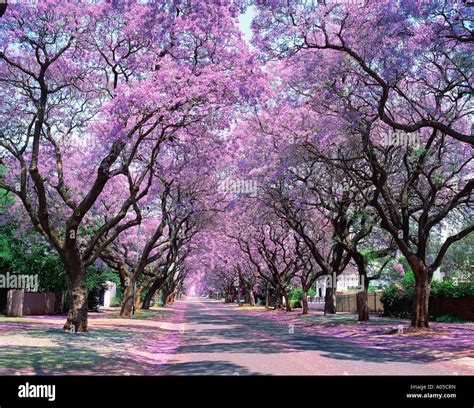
x: 109, y: 293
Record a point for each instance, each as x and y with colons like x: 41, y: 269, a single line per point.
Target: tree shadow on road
x: 206, y: 368
x: 243, y: 333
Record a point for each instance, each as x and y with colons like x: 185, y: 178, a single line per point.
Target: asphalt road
x: 217, y: 340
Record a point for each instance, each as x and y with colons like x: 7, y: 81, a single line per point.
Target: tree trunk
x: 362, y: 299
x: 151, y: 291
x: 278, y: 299
x: 138, y: 295
x: 362, y: 305
x: 287, y: 301
x: 267, y: 297
x: 164, y: 297
x: 423, y: 276
x: 330, y: 301
x: 15, y: 300
x: 127, y: 301
x: 229, y: 297
x: 125, y: 276
x: 420, y: 315
x: 147, y: 299
x: 251, y: 297
x: 304, y: 301
x: 77, y: 289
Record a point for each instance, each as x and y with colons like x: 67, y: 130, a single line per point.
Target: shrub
x: 450, y: 319
x: 295, y: 296
x: 96, y: 279
x: 295, y: 304
x: 116, y: 301
x: 398, y: 299
x: 448, y: 288
x: 396, y: 302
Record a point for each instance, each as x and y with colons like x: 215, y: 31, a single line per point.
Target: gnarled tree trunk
x: 170, y: 297
x: 138, y: 293
x: 362, y: 306
x: 362, y: 299
x: 304, y: 302
x: 330, y: 301
x: 423, y: 277
x: 164, y: 297
x: 229, y: 297
x: 278, y: 299
x: 287, y: 301
x: 267, y: 297
x: 251, y: 297
x: 420, y: 315
x: 151, y: 291
x: 77, y: 288
x: 127, y: 301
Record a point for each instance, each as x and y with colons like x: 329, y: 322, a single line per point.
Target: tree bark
x: 287, y: 301
x: 138, y: 303
x: 362, y: 298
x: 147, y: 299
x: 151, y: 291
x: 304, y: 301
x: 229, y: 297
x: 362, y: 306
x: 124, y: 275
x: 330, y: 301
x: 164, y: 297
x: 278, y: 299
x: 267, y: 297
x: 15, y: 299
x: 421, y: 297
x: 170, y: 298
x: 127, y: 301
x: 251, y: 297
x: 420, y: 315
x: 77, y: 289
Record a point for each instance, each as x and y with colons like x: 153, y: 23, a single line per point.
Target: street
x: 217, y: 339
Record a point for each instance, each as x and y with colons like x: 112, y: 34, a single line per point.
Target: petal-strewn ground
x: 206, y: 337
x: 115, y: 346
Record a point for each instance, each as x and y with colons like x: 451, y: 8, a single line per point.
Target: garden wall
x: 42, y: 303
x: 348, y: 302
x: 461, y: 307
x: 21, y: 303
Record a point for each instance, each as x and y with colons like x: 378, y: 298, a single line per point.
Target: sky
x: 244, y: 22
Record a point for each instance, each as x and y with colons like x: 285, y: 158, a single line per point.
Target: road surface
x: 218, y: 340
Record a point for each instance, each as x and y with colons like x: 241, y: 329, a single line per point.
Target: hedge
x: 398, y: 299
